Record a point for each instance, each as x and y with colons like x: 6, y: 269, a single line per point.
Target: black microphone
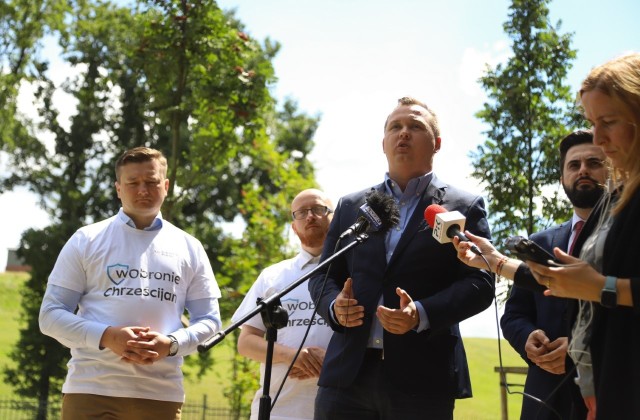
x: 379, y: 213
x: 446, y: 225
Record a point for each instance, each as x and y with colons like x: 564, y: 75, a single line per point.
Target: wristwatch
x: 609, y: 294
x: 173, y: 348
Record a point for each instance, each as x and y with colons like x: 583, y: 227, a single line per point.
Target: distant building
x: 15, y: 263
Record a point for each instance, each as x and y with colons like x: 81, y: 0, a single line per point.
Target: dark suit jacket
x: 615, y: 340
x: 429, y: 363
x: 526, y: 311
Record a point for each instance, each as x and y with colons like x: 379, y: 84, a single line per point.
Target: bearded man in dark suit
x: 536, y: 326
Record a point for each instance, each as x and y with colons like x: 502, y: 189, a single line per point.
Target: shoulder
x: 171, y: 229
x: 358, y: 196
x: 550, y: 232
x: 276, y: 269
x: 456, y: 194
x: 95, y: 229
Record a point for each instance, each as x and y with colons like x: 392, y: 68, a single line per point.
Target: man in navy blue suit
x: 536, y: 325
x: 395, y: 301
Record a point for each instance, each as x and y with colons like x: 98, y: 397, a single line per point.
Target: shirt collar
x: 304, y: 259
x: 415, y: 186
x: 575, y: 219
x: 155, y: 225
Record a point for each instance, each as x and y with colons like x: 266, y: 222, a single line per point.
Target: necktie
x: 576, y: 228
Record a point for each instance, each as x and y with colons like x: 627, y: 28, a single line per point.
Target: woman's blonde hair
x: 620, y: 79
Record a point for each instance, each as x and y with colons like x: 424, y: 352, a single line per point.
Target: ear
x: 117, y: 184
x: 166, y: 185
x: 437, y: 144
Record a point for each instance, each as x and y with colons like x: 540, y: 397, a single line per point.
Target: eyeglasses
x: 319, y: 211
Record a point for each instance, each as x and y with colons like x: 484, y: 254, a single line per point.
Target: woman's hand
x: 574, y: 278
x: 473, y: 260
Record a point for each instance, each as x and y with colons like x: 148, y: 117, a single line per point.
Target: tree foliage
x: 179, y: 76
x: 529, y: 110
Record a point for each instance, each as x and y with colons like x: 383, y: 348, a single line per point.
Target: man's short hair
x: 140, y: 155
x: 577, y: 137
x: 433, y: 121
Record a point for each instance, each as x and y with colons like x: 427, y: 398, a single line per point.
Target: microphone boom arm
x: 265, y: 303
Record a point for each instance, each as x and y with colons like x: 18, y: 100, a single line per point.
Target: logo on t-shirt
x: 304, y: 309
x: 117, y: 273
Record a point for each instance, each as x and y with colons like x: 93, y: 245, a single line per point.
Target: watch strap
x: 609, y: 293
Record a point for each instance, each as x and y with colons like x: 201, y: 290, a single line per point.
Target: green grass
x: 482, y: 354
x: 10, y: 286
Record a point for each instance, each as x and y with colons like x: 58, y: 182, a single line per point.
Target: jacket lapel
x: 433, y: 194
x: 561, y: 236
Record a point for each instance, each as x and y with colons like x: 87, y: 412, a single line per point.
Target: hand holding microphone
x: 447, y: 225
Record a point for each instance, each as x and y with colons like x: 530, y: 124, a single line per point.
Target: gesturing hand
x: 399, y: 321
x: 346, y: 309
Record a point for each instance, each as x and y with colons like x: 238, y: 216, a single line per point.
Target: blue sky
x: 349, y: 61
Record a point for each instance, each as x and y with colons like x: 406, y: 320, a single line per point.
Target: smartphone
x: 527, y: 250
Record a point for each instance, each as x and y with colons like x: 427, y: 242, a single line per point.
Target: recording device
x: 378, y: 214
x: 527, y: 250
x: 447, y: 224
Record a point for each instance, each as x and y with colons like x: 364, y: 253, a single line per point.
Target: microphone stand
x: 274, y: 317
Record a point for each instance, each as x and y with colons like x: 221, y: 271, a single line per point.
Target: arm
x: 324, y: 294
x: 58, y: 320
x: 509, y: 268
x: 578, y: 279
x: 518, y: 320
x: 253, y: 345
x: 469, y: 290
x: 204, y: 323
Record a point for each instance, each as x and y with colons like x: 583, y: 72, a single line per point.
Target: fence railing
x: 28, y: 409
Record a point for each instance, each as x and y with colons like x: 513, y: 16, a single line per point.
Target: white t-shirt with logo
x: 296, y: 400
x: 129, y: 277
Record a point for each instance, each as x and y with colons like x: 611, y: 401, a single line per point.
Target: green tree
x: 182, y: 77
x: 23, y: 24
x: 529, y: 109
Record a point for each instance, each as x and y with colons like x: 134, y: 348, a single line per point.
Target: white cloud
x: 474, y: 62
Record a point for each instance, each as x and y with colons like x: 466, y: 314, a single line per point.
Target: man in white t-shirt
x: 312, y: 212
x: 130, y: 277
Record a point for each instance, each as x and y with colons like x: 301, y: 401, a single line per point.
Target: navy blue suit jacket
x: 430, y: 363
x: 526, y: 311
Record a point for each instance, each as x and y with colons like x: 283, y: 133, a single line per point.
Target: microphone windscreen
x: 430, y: 214
x: 385, y: 207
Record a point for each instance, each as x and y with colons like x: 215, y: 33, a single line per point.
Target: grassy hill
x: 482, y: 354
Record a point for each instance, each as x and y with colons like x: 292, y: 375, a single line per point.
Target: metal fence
x: 27, y: 409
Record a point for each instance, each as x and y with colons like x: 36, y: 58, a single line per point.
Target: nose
x: 404, y: 132
x: 599, y: 137
x: 142, y: 189
x: 584, y: 168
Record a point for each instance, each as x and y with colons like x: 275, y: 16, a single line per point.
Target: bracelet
x: 501, y: 264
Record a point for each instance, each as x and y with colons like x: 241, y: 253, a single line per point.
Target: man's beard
x: 584, y: 198
x: 313, y: 238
